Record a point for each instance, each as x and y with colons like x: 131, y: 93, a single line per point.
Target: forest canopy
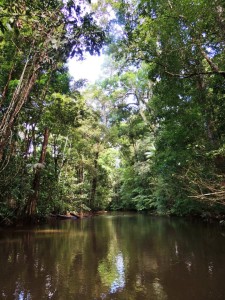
x: 148, y: 136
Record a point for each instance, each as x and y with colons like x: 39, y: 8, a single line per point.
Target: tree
x: 184, y: 59
x: 46, y: 36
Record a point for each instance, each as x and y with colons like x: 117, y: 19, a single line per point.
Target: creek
x: 114, y: 257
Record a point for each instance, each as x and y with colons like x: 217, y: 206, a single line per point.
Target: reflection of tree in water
x: 38, y: 263
x: 112, y: 267
x: 119, y: 282
x: 112, y: 270
x: 113, y: 258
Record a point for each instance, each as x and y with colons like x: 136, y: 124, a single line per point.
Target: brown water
x: 123, y: 257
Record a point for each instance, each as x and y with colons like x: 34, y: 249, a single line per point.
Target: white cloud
x: 90, y: 68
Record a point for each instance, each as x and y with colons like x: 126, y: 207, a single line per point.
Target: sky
x: 90, y: 68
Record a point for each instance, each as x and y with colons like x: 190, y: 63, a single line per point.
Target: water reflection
x: 112, y: 268
x: 23, y: 295
x: 116, y: 257
x: 119, y: 281
x: 159, y: 292
x: 112, y: 273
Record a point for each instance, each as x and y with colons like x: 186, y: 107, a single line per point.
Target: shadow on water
x: 125, y: 257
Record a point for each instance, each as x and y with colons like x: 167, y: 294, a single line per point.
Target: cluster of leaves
x: 170, y: 80
x: 40, y: 109
x: 149, y: 136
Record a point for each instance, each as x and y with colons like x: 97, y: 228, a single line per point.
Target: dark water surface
x: 121, y: 257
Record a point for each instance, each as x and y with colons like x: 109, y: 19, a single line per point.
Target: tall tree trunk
x: 20, y: 96
x: 28, y: 140
x: 33, y: 198
x: 7, y: 84
x: 80, y: 175
x: 207, y: 111
x: 94, y: 180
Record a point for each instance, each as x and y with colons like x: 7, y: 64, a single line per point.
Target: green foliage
x: 149, y: 136
x: 184, y: 60
x: 36, y: 92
